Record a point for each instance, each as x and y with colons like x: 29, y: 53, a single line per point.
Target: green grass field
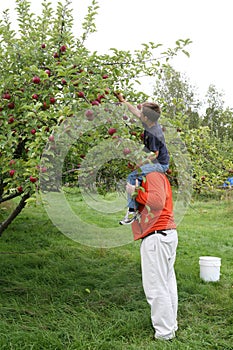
x: 62, y: 295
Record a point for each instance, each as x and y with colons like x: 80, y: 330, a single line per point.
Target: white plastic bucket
x: 209, y: 268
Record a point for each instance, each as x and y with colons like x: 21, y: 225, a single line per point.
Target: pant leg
x: 132, y: 177
x: 158, y: 254
x: 150, y: 167
x: 144, y: 170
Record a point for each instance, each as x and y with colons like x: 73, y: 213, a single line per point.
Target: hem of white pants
x: 167, y: 337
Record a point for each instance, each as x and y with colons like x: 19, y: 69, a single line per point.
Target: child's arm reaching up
x: 131, y: 108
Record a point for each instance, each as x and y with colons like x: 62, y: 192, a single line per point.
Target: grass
x: 61, y: 295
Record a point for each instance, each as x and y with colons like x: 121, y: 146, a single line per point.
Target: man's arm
x: 131, y: 108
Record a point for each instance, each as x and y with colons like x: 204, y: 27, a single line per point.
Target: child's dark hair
x: 151, y: 110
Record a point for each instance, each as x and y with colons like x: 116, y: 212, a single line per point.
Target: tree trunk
x: 14, y: 214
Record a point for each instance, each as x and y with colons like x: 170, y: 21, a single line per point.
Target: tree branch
x: 11, y: 196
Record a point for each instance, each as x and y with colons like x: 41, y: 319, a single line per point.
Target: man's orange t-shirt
x: 155, y: 206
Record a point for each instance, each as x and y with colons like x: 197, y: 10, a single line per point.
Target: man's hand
x: 130, y: 189
x: 119, y: 96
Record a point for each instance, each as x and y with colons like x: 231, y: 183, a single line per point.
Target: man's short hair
x: 151, y: 110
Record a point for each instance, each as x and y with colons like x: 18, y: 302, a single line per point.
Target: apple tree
x: 48, y: 76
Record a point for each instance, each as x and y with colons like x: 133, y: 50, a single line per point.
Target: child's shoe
x: 129, y: 218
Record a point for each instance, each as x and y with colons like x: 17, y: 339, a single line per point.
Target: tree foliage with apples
x: 48, y: 77
x: 204, y: 126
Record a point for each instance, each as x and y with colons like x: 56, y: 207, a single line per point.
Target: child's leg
x: 133, y: 176
x: 131, y: 203
x: 150, y: 167
x: 132, y: 180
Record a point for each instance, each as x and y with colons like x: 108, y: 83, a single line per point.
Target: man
x: 157, y: 230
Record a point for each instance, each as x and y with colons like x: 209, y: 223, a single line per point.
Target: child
x: 154, y: 141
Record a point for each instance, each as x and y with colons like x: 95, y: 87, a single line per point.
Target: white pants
x: 158, y: 254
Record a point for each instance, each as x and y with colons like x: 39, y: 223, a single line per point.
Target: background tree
x: 218, y: 118
x: 207, y: 137
x: 177, y: 96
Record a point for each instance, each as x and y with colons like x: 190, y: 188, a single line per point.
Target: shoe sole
x: 126, y: 223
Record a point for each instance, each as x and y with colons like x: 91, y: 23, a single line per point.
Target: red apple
x: 47, y: 71
x: 20, y: 189
x: 45, y: 106
x: 89, y: 115
x: 168, y: 171
x: 130, y: 166
x: 51, y: 138
x: 105, y: 76
x: 52, y: 100
x: 12, y: 172
x: 33, y: 131
x: 55, y: 55
x: 36, y: 79
x: 126, y: 151
x: 112, y: 131
x: 11, y: 120
x: 33, y: 179
x: 64, y: 82
x: 125, y: 117
x: 63, y: 48
x: 43, y: 46
x: 95, y: 103
x: 35, y: 97
x: 11, y: 105
x: 11, y: 162
x: 6, y: 96
x: 43, y: 169
x: 81, y: 94
x: 100, y: 97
